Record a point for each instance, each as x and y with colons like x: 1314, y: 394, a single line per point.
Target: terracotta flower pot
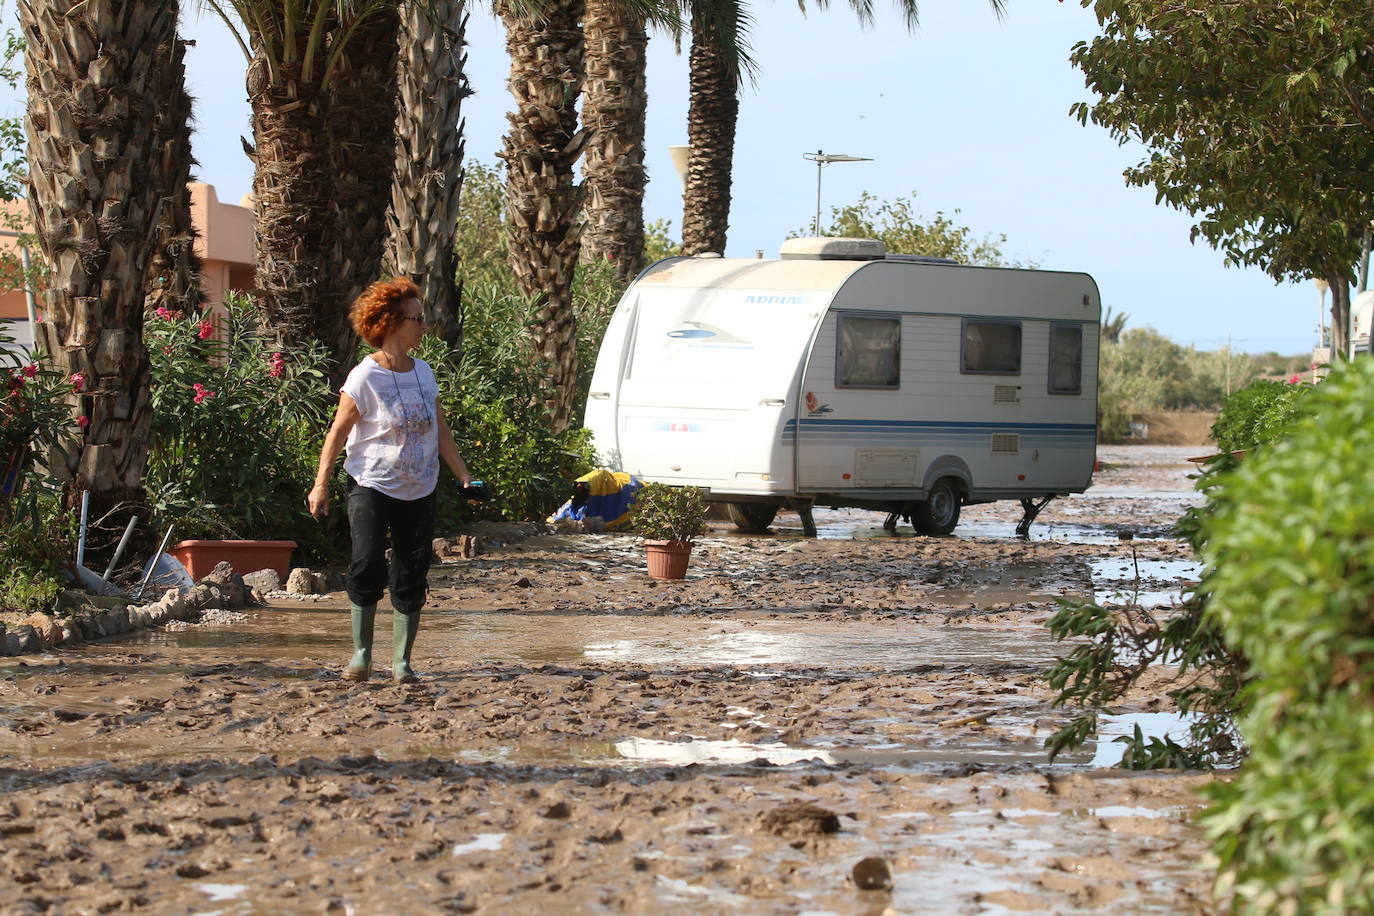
x: 668, y: 559
x: 200, y: 557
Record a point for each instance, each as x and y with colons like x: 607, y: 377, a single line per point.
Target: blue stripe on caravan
x: 906, y: 430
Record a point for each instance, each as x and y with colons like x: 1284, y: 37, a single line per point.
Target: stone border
x: 39, y: 632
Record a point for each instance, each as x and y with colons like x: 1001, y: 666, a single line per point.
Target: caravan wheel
x: 753, y: 518
x: 939, y: 514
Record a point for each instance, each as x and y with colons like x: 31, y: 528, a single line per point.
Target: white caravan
x: 839, y: 375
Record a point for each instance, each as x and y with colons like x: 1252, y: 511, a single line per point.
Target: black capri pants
x: 409, y: 523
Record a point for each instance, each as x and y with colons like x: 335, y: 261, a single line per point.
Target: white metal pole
x: 28, y: 293
x: 816, y: 226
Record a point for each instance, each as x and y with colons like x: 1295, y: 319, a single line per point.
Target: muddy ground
x: 587, y: 740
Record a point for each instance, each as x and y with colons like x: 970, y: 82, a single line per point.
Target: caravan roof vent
x: 832, y: 249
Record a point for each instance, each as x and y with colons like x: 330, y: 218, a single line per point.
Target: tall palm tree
x: 174, y: 268
x: 427, y: 176
x: 712, y: 112
x: 613, y: 113
x: 99, y: 74
x: 542, y: 198
x: 714, y: 108
x: 321, y: 80
x: 543, y: 202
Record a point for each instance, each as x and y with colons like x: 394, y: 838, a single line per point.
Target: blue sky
x: 969, y: 113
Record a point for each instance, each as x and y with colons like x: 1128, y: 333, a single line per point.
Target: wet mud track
x: 586, y: 740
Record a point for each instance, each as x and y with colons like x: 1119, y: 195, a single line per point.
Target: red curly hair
x: 377, y: 312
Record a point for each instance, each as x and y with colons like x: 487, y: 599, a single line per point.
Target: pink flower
x: 30, y: 370
x: 1293, y: 380
x: 164, y: 313
x: 203, y: 394
x: 78, y: 380
x: 83, y: 421
x: 278, y: 366
x: 207, y: 328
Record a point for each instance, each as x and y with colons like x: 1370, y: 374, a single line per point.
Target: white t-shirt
x: 394, y: 446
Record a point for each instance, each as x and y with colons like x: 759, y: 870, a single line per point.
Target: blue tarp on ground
x: 602, y: 494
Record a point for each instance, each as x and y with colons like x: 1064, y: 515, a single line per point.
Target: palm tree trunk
x: 174, y: 270
x: 360, y: 124
x: 291, y: 189
x: 428, y: 179
x: 321, y: 181
x: 712, y: 112
x: 542, y: 201
x: 98, y: 76
x: 613, y: 114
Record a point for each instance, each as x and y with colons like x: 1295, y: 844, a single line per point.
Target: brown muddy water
x: 587, y: 740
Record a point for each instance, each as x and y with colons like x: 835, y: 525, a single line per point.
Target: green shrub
x: 37, y: 546
x: 1257, y: 414
x: 1291, y: 584
x: 666, y: 513
x: 493, y: 400
x: 35, y: 415
x: 237, y: 429
x: 1114, y: 647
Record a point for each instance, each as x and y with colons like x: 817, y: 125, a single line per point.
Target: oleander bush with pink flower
x: 237, y: 427
x: 36, y: 419
x: 34, y: 413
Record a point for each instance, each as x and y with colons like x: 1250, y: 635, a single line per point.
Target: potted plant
x: 669, y: 519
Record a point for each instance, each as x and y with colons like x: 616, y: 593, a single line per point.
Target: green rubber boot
x: 360, y: 667
x: 403, y: 630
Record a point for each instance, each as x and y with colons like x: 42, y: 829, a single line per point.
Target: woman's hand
x: 318, y: 500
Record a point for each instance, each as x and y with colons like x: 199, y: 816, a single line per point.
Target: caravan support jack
x: 1030, y: 509
x: 803, y: 508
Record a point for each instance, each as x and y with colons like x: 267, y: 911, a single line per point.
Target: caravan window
x: 869, y: 352
x: 992, y: 347
x: 1066, y: 359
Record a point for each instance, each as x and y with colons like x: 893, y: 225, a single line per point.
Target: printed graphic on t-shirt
x: 411, y: 421
x: 394, y: 446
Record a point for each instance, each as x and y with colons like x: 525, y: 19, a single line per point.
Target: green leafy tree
x: 13, y: 165
x: 1257, y: 118
x: 480, y: 237
x: 1113, y: 325
x: 1289, y: 584
x: 901, y: 227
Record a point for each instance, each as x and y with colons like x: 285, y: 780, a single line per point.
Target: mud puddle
x: 586, y: 740
x: 455, y: 639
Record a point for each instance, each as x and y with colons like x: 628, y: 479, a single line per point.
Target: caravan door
x: 710, y: 381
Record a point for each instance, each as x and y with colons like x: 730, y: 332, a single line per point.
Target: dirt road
x: 587, y: 740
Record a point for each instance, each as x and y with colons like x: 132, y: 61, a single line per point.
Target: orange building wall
x: 224, y: 242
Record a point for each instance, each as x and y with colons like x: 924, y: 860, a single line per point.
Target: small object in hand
x: 873, y: 874
x: 479, y: 490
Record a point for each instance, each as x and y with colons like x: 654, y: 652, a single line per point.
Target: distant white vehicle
x: 1362, y: 316
x: 839, y: 375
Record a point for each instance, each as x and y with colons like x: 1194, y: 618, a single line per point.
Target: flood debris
x: 800, y: 819
x: 872, y: 874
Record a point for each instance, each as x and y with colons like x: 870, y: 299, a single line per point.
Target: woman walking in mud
x: 391, y: 425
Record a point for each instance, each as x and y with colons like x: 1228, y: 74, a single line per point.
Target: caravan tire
x: 753, y: 518
x: 939, y: 513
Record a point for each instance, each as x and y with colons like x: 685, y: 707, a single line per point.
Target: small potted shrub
x: 669, y: 519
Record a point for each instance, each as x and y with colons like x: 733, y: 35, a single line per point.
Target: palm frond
x: 727, y: 23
